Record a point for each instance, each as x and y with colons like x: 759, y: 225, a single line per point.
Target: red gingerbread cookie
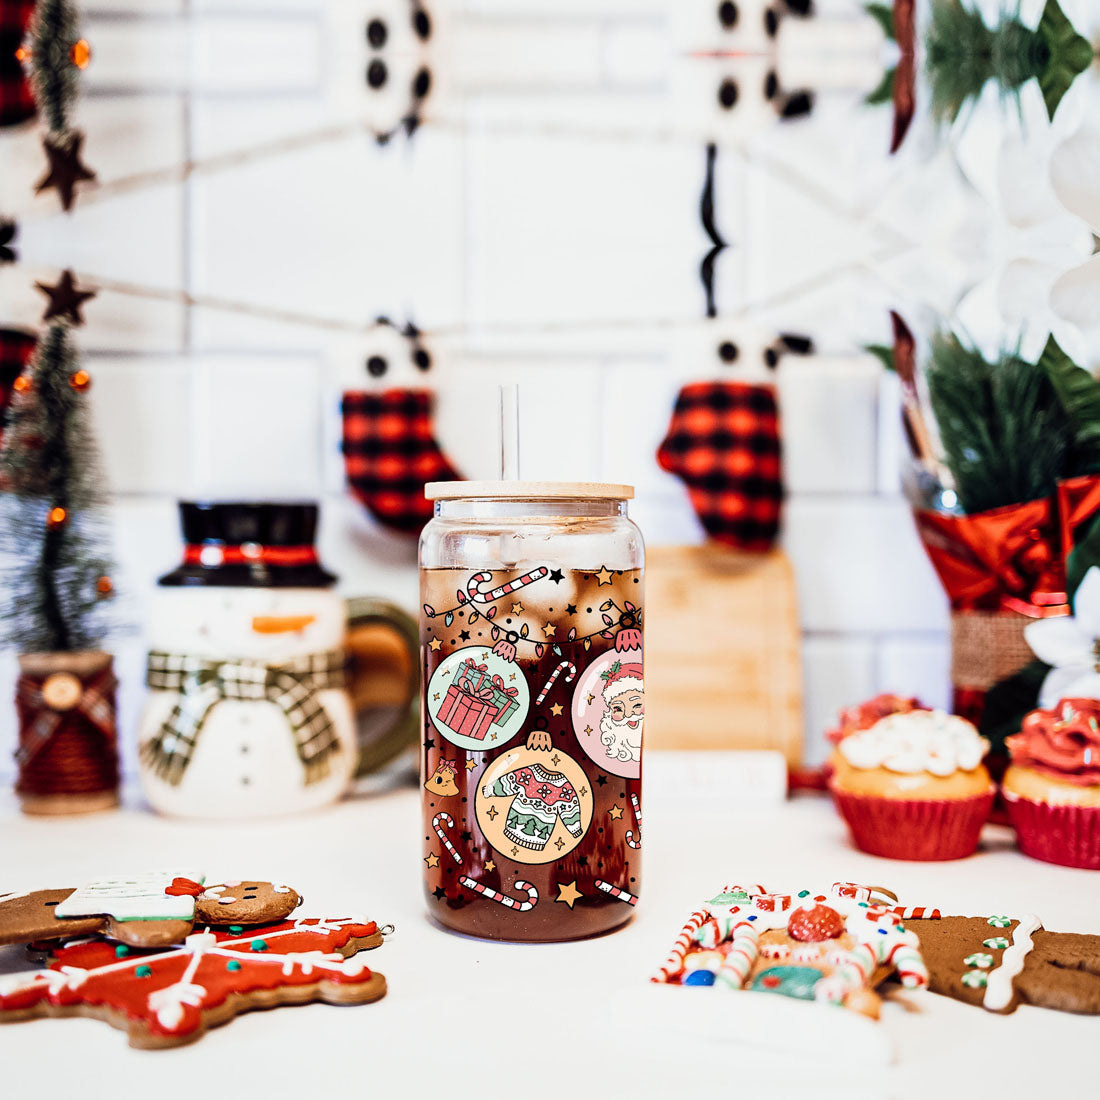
x: 146, y: 910
x: 170, y: 996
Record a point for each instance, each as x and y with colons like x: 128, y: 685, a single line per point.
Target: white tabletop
x: 465, y: 1017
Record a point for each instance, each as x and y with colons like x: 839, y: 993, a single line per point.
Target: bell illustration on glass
x: 247, y: 714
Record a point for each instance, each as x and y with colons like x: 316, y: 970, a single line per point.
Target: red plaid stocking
x: 390, y: 453
x: 723, y: 442
x: 16, y: 98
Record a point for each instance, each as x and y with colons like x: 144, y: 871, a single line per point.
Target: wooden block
x: 722, y: 660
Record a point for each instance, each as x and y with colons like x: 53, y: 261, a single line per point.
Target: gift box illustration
x: 476, y: 700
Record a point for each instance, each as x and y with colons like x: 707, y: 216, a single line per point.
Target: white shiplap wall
x: 542, y: 227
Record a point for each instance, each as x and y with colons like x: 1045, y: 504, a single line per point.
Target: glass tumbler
x: 533, y: 707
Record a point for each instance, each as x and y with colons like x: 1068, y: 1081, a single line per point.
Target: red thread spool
x: 68, y: 747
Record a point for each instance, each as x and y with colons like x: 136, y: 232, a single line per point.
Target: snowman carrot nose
x: 280, y: 624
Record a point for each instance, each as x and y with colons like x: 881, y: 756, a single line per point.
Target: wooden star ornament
x: 66, y: 169
x: 66, y: 299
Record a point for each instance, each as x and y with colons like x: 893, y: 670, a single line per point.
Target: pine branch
x: 1005, y: 435
x: 53, y: 75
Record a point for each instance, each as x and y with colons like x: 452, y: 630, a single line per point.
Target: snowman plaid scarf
x: 202, y: 684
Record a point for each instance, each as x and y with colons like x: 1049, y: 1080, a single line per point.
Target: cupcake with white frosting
x: 913, y: 786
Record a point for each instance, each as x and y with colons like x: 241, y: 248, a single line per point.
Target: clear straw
x: 509, y: 431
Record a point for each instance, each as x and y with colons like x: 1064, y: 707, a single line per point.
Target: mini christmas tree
x: 52, y: 526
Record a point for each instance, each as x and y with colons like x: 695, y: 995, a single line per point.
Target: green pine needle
x: 1005, y: 435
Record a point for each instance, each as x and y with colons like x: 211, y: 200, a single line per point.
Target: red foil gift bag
x: 1002, y: 569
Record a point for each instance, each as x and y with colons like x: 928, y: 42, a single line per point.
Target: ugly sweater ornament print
x: 539, y: 796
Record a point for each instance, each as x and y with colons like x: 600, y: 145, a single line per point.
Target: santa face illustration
x: 621, y: 724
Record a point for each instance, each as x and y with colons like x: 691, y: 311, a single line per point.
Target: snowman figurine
x: 247, y: 714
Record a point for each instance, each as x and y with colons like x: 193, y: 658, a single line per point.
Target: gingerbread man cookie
x: 999, y: 962
x: 169, y: 996
x: 146, y: 910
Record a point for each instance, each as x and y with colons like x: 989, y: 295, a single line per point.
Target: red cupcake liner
x: 914, y: 829
x: 1067, y: 835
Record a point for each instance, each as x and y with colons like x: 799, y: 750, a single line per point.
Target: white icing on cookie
x: 919, y: 740
x: 998, y: 991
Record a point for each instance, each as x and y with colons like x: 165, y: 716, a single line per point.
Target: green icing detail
x: 975, y: 979
x: 999, y: 922
x: 121, y: 951
x: 258, y: 945
x: 979, y: 959
x: 996, y: 943
x: 143, y: 972
x: 803, y: 893
x: 236, y: 929
x: 233, y: 964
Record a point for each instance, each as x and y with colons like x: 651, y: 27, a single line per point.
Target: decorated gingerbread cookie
x: 169, y: 996
x: 999, y: 962
x: 146, y: 910
x: 833, y: 947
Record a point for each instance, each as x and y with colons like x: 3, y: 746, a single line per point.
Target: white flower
x: 1069, y: 643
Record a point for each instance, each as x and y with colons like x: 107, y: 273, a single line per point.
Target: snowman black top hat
x: 239, y: 544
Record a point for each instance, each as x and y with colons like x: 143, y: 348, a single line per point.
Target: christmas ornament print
x: 534, y: 806
x: 519, y: 814
x: 478, y: 700
x: 609, y: 712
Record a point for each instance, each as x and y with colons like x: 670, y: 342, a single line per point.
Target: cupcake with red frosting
x: 863, y: 716
x: 913, y: 786
x: 1052, y: 787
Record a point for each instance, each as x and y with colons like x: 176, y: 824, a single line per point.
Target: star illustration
x: 435, y: 697
x: 556, y: 710
x: 556, y: 575
x: 602, y: 780
x: 517, y: 609
x: 439, y: 893
x: 470, y: 765
x: 568, y: 893
x: 615, y: 812
x: 8, y: 230
x: 434, y: 645
x: 430, y: 743
x: 587, y: 729
x: 466, y: 835
x: 492, y: 814
x: 591, y: 698
x: 431, y: 859
x: 548, y: 630
x: 571, y: 609
x: 515, y: 850
x: 485, y: 656
x: 490, y: 865
x: 511, y: 677
x: 555, y: 760
x: 66, y: 169
x: 603, y: 577
x: 559, y: 844
x: 66, y: 298
x: 584, y: 791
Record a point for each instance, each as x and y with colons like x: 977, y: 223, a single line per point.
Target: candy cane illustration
x: 916, y: 912
x: 504, y: 899
x: 632, y: 838
x: 616, y: 892
x: 447, y: 819
x: 553, y: 676
x: 674, y: 963
x: 473, y: 586
x: 742, y: 954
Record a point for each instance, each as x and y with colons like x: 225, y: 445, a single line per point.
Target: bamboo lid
x: 533, y: 490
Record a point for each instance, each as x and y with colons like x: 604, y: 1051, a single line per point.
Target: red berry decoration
x: 815, y: 923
